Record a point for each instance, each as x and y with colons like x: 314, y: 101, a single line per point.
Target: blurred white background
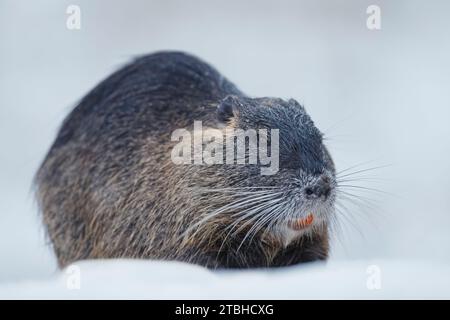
x: 382, y: 97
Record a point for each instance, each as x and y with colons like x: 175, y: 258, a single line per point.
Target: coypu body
x: 108, y: 187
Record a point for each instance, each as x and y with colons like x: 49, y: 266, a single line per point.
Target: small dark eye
x: 309, y: 191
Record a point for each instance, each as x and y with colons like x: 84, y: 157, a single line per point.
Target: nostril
x: 326, y: 190
x: 309, y: 191
x: 322, y: 188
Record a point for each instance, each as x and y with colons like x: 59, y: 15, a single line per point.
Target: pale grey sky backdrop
x: 381, y: 96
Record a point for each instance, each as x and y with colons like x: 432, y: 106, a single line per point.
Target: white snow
x: 127, y: 279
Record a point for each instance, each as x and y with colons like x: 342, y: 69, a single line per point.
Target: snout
x: 321, y: 188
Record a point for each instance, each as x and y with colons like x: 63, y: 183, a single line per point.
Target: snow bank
x: 127, y: 279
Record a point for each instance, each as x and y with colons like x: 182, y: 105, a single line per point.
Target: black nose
x: 321, y: 188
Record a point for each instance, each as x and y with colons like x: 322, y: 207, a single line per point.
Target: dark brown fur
x: 108, y: 187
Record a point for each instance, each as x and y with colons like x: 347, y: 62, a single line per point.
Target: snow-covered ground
x: 126, y: 279
x: 381, y: 97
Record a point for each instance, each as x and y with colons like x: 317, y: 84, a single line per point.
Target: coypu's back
x: 108, y: 188
x: 144, y: 87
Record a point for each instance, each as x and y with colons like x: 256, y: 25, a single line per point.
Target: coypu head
x: 296, y: 198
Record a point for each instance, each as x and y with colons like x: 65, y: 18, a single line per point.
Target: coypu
x: 109, y: 189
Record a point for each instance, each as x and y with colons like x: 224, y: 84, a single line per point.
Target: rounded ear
x: 227, y: 108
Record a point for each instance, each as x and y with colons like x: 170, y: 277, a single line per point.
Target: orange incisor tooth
x: 309, y: 219
x: 303, y: 223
